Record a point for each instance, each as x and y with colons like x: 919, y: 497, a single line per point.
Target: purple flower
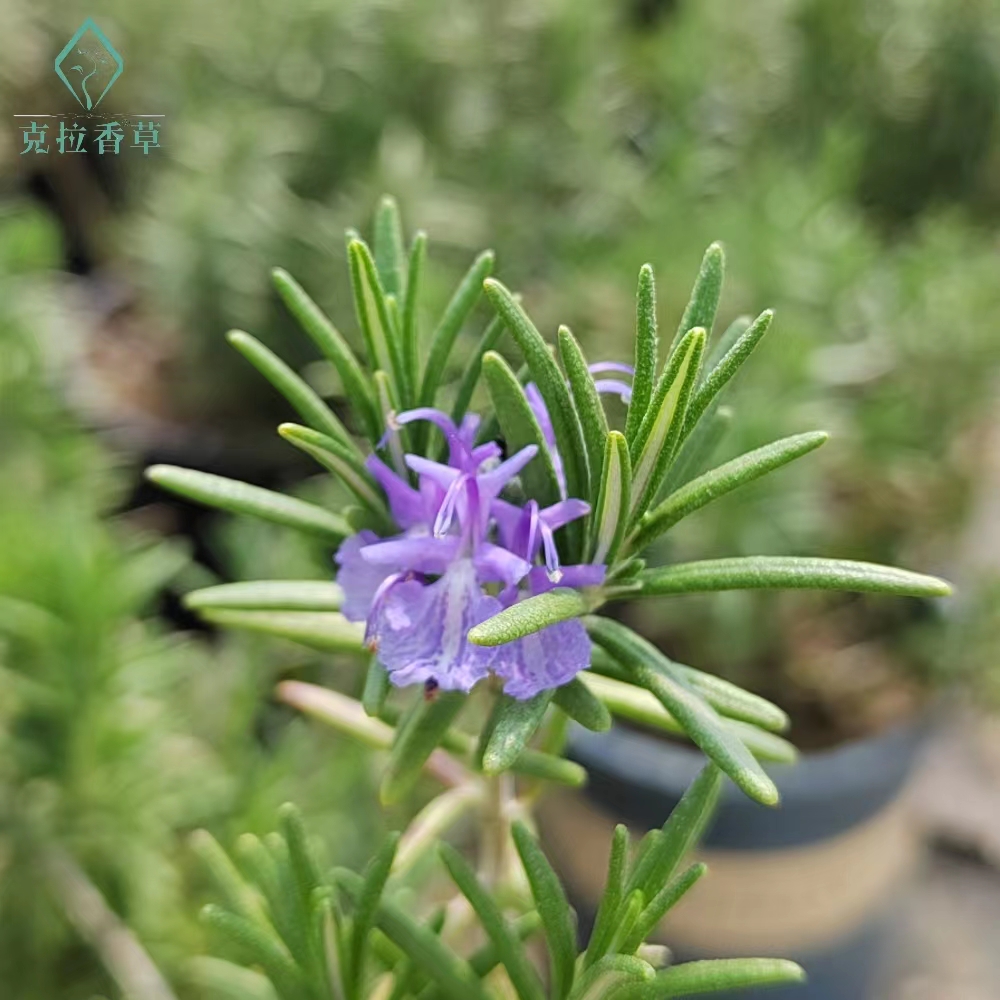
x: 462, y: 555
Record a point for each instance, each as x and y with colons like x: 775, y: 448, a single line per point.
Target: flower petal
x: 563, y: 512
x: 421, y: 630
x: 499, y: 565
x: 358, y: 578
x: 413, y: 553
x: 545, y: 659
x: 492, y: 482
x: 408, y: 507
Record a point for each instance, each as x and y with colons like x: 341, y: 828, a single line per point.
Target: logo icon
x: 89, y: 65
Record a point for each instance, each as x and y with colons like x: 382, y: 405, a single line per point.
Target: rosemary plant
x: 472, y: 571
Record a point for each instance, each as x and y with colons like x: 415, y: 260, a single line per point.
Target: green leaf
x: 635, y: 903
x: 529, y: 616
x: 242, y: 498
x: 305, y: 877
x: 679, y: 834
x: 343, y: 464
x: 377, y: 686
x: 267, y: 595
x: 553, y: 908
x: 654, y: 446
x: 698, y: 448
x: 717, y: 378
x: 305, y: 401
x: 510, y: 727
x: 458, y: 310
x: 611, y: 900
x: 723, y: 344
x: 718, y: 974
x: 388, y: 404
x: 334, y: 709
x: 640, y: 705
x: 704, y: 301
x: 385, y: 351
x: 647, y: 341
x: 588, y: 405
x: 520, y: 428
x: 390, y: 258
x: 578, y: 703
x: 261, y: 947
x: 237, y: 894
x: 613, y: 499
x: 228, y: 981
x: 732, y: 701
x: 522, y: 974
x: 551, y: 384
x: 416, y: 739
x: 652, y: 670
x: 792, y: 572
x: 605, y: 979
x: 367, y: 904
x: 410, y: 335
x: 328, y: 339
x: 720, y: 481
x: 327, y: 631
x: 452, y: 974
x: 474, y: 368
x: 661, y: 904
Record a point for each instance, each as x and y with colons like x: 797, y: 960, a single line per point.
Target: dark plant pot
x: 809, y: 880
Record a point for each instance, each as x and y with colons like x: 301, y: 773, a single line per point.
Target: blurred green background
x: 847, y: 154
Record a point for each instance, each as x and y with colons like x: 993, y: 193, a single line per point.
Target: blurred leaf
x: 418, y: 736
x: 268, y: 595
x: 242, y: 498
x: 367, y: 904
x: 327, y: 631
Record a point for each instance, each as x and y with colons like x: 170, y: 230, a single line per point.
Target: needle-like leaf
x: 593, y: 421
x: 528, y: 616
x: 357, y: 387
x: 390, y: 257
x: 306, y: 402
x: 268, y: 595
x: 704, y: 301
x: 474, y: 368
x: 647, y: 342
x: 509, y: 728
x: 611, y: 899
x: 716, y: 975
x: 652, y: 670
x: 458, y: 310
x: 553, y: 908
x: 791, y: 572
x: 324, y: 630
x: 720, y: 481
x: 551, y: 384
x: 410, y: 333
x: 660, y: 434
x: 614, y: 504
x: 367, y: 904
x: 509, y: 948
x: 241, y: 498
x: 577, y: 701
x: 520, y: 428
